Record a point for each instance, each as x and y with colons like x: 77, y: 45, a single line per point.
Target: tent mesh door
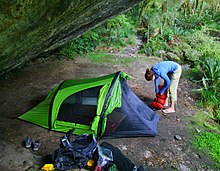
x: 80, y: 107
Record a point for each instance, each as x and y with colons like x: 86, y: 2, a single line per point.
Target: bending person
x: 170, y: 72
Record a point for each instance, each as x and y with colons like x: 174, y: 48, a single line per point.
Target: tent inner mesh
x: 80, y: 107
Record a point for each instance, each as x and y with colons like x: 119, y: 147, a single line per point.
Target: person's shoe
x: 27, y: 142
x: 36, y: 145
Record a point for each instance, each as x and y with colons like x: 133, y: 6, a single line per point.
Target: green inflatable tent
x: 104, y: 106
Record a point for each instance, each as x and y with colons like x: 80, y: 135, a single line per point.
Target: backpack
x: 74, y: 154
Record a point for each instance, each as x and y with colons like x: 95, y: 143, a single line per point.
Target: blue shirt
x: 163, y: 69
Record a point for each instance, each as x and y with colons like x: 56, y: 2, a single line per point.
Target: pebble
x: 147, y: 154
x: 177, y: 137
x: 183, y: 168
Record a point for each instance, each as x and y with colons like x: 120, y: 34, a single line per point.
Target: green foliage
x: 189, y: 24
x: 112, y: 33
x: 153, y: 46
x: 86, y: 43
x: 198, y: 45
x: 210, y: 90
x: 211, y: 70
x: 180, y: 18
x: 211, y: 142
x: 132, y: 16
x: 119, y: 28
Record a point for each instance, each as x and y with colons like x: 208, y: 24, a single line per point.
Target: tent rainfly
x: 104, y: 106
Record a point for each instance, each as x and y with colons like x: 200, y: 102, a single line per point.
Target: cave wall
x: 29, y: 28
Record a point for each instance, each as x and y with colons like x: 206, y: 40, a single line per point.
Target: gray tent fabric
x: 134, y: 118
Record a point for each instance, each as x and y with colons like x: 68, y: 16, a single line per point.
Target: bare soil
x: 21, y: 90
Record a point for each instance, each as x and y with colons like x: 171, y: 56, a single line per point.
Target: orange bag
x: 157, y: 105
x: 160, y: 100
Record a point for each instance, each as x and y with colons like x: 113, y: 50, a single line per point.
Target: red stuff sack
x: 157, y: 105
x: 160, y: 99
x: 161, y: 96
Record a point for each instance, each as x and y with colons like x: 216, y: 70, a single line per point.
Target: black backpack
x: 74, y: 154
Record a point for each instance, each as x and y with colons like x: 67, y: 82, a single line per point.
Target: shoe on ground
x: 36, y: 145
x: 27, y: 142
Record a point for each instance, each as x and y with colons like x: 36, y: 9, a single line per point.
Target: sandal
x: 168, y: 111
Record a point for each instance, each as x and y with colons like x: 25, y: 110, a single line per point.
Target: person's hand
x: 160, y: 95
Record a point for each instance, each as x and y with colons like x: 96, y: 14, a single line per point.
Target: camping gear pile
x: 83, y: 152
x: 160, y: 99
x: 75, y: 153
x: 103, y: 107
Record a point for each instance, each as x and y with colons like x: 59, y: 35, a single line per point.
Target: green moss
x: 27, y: 24
x: 207, y: 138
x: 211, y: 142
x: 30, y: 28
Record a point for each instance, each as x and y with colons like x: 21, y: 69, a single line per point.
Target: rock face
x: 29, y: 28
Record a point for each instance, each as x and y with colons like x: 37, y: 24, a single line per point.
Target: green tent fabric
x: 39, y: 114
x: 45, y: 114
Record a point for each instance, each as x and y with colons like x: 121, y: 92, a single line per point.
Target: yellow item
x: 90, y: 163
x: 48, y: 167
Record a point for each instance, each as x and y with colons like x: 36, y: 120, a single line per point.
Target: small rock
x: 177, y: 137
x: 179, y: 148
x: 147, y: 154
x: 149, y: 163
x: 124, y: 148
x: 166, y: 154
x: 183, y: 168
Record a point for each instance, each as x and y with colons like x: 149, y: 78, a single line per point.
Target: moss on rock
x: 29, y: 28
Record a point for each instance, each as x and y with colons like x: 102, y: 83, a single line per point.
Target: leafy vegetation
x: 210, y: 89
x: 84, y: 44
x: 116, y: 33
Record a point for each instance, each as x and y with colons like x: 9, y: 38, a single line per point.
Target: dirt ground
x: 23, y: 89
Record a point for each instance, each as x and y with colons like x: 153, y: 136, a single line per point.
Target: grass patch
x: 208, y: 137
x: 209, y: 141
x: 102, y: 57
